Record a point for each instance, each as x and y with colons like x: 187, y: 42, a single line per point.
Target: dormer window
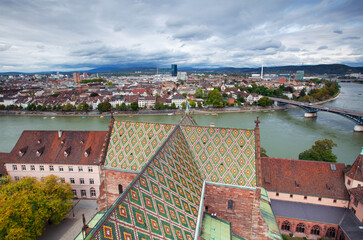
x: 22, y: 151
x: 62, y: 142
x: 328, y: 186
x: 297, y: 184
x: 39, y: 141
x: 40, y: 151
x: 87, y: 152
x: 81, y: 142
x: 67, y: 152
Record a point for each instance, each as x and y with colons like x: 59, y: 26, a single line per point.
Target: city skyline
x: 76, y: 36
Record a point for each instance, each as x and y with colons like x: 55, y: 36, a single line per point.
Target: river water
x: 284, y: 133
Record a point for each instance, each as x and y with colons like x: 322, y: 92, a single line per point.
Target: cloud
x: 4, y: 47
x: 189, y: 33
x: 323, y: 47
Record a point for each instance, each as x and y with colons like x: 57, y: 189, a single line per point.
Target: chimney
x: 60, y: 133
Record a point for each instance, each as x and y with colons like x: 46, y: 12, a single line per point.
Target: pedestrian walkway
x: 71, y: 226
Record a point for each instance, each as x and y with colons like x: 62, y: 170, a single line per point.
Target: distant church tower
x: 262, y: 72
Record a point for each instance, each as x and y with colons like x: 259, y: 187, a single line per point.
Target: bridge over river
x: 312, y: 109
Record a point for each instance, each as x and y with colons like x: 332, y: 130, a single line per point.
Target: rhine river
x: 284, y: 133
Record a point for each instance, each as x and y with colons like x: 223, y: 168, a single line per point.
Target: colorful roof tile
x: 163, y: 200
x: 223, y: 155
x: 132, y: 144
x: 215, y: 228
x: 187, y: 120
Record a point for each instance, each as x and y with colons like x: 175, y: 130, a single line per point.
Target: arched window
x: 300, y: 228
x: 331, y: 232
x: 120, y: 189
x: 286, y: 226
x: 315, y: 230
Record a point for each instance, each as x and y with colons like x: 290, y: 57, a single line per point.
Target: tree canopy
x: 27, y: 205
x: 320, y: 151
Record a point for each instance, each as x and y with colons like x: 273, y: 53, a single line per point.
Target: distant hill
x: 308, y: 69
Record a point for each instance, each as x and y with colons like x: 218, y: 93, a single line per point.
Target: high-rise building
x: 76, y: 77
x: 174, y: 70
x: 300, y: 75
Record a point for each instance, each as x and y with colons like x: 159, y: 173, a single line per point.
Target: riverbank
x: 96, y: 113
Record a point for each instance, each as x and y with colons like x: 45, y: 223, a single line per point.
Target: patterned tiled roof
x: 163, y: 200
x: 223, y: 155
x: 303, y: 177
x: 356, y: 171
x: 187, y: 120
x: 132, y: 144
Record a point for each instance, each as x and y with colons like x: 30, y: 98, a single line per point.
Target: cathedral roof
x: 321, y: 179
x: 172, y: 162
x: 356, y: 171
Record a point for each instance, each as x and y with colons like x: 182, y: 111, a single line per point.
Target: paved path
x: 71, y: 226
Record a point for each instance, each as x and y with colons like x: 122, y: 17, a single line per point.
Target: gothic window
x: 331, y: 232
x: 300, y: 228
x: 286, y: 226
x: 315, y: 230
x: 120, y: 190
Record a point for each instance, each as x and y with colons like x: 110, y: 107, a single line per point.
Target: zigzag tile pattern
x: 187, y: 120
x: 223, y: 155
x: 132, y: 144
x: 163, y: 201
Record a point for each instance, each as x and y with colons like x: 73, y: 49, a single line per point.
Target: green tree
x: 27, y: 205
x: 192, y: 104
x: 263, y: 152
x: 83, y: 107
x: 123, y: 107
x: 200, y: 105
x: 264, y: 101
x: 134, y: 106
x: 68, y: 107
x: 320, y: 151
x: 104, y: 107
x: 199, y: 93
x: 215, y: 98
x: 184, y: 105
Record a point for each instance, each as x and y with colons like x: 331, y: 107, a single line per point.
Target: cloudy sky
x: 42, y: 35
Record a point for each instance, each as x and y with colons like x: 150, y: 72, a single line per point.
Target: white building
x: 74, y: 156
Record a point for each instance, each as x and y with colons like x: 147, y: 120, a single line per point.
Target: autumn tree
x: 320, y: 151
x: 27, y: 205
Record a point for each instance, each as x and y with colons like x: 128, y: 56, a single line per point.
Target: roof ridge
x: 127, y: 190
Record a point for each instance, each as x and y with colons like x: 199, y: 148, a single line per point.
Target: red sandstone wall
x: 113, y: 179
x: 245, y: 212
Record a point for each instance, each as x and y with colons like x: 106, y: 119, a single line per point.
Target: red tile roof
x: 47, y: 147
x: 357, y: 193
x: 304, y: 177
x: 356, y: 171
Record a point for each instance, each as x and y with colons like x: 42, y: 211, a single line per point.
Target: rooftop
x: 58, y: 147
x: 311, y: 178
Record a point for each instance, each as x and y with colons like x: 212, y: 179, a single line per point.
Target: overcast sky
x: 42, y: 35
